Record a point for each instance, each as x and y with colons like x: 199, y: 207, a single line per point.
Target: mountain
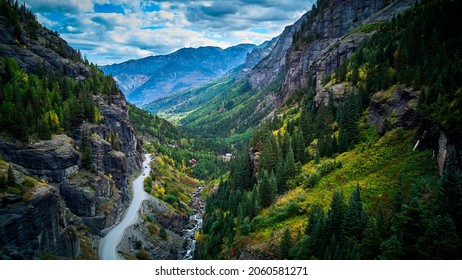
x: 361, y: 157
x: 67, y: 147
x: 151, y: 78
x: 235, y: 104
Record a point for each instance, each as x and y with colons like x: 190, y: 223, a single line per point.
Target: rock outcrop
x: 395, y: 107
x: 41, y: 53
x: 256, y: 56
x: 31, y: 228
x: 268, y: 69
x: 55, y: 199
x: 52, y: 160
x: 330, y: 37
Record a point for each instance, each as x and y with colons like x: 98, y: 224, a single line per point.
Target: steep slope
x: 329, y: 36
x: 269, y: 69
x: 150, y: 78
x: 67, y: 147
x: 347, y: 170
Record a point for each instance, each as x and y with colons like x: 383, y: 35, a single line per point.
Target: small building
x: 193, y: 161
x: 227, y: 157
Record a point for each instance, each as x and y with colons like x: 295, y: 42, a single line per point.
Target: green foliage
x: 38, y: 106
x: 285, y: 245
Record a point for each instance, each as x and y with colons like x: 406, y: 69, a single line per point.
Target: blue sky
x: 114, y: 31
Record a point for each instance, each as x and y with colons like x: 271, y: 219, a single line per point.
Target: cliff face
x: 39, y: 225
x: 46, y: 51
x: 330, y: 36
x: 53, y: 199
x: 268, y: 69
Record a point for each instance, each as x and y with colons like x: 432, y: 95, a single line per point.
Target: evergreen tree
x: 335, y: 216
x: 86, y: 153
x: 285, y: 246
x: 356, y: 219
x: 440, y: 240
x: 290, y: 164
x: 450, y: 195
x: 11, y: 179
x: 409, y: 225
x: 281, y: 176
x: 391, y: 249
x: 370, y: 246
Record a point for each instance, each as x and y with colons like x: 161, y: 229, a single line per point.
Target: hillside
x: 362, y: 160
x: 233, y: 105
x: 151, y: 78
x: 67, y: 147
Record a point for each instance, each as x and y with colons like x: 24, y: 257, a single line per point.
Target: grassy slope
x: 377, y: 164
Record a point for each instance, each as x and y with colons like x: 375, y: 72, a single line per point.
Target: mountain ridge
x: 150, y: 78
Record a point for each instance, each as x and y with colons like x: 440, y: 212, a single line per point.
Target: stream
x: 109, y: 244
x: 189, y: 234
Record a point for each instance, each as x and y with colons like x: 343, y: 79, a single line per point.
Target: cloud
x: 109, y: 31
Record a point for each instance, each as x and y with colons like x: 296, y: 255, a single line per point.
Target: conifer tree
x: 336, y: 215
x: 356, y: 219
x: 281, y: 176
x: 290, y: 164
x: 11, y: 179
x: 450, y: 195
x: 285, y: 246
x: 440, y: 240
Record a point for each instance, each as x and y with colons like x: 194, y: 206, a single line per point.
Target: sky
x: 119, y: 30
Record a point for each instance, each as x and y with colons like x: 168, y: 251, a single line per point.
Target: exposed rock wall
x: 332, y: 26
x: 272, y: 65
x: 33, y: 54
x: 52, y: 160
x: 396, y: 107
x: 28, y: 229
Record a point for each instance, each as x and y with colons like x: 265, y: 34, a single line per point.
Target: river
x: 109, y: 243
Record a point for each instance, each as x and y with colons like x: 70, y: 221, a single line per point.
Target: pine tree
x: 356, y: 219
x: 391, y: 249
x: 305, y: 123
x: 336, y: 215
x: 409, y: 224
x: 86, y: 152
x: 290, y: 164
x: 370, y: 246
x: 281, y: 176
x: 450, y: 195
x: 11, y: 179
x: 440, y: 240
x: 285, y: 246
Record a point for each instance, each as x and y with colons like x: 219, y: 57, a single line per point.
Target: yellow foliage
x: 160, y: 190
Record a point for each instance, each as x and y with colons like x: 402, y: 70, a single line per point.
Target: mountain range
x: 151, y: 78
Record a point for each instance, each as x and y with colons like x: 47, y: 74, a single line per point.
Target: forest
x: 328, y: 186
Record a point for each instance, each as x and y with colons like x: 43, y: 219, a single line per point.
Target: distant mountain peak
x: 150, y: 78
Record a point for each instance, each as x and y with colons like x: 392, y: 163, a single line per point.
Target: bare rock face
x: 52, y: 160
x: 94, y: 199
x: 33, y: 54
x: 442, y: 152
x: 394, y: 108
x: 28, y: 229
x: 268, y: 69
x: 332, y: 27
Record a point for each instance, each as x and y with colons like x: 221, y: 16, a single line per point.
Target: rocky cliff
x: 50, y: 201
x: 268, y: 69
x: 44, y: 51
x: 330, y: 34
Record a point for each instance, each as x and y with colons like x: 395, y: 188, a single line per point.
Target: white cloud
x: 115, y: 37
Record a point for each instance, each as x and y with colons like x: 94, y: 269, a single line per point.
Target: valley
x: 337, y: 139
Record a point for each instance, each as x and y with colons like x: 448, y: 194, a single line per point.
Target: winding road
x: 109, y: 244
